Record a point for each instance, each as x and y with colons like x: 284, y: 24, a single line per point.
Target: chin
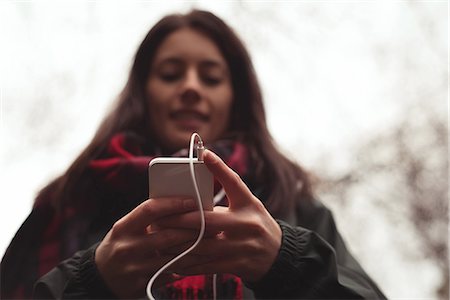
x: 179, y: 141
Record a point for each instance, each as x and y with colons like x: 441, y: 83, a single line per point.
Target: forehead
x: 189, y: 44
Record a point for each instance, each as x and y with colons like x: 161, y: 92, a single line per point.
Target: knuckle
x: 147, y: 207
x: 235, y: 179
x: 132, y: 269
x: 259, y: 205
x: 121, y: 251
x: 117, y: 228
x: 254, y: 226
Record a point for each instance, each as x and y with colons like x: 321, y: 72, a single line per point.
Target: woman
x: 92, y: 234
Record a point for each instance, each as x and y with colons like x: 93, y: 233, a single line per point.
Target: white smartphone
x: 171, y: 176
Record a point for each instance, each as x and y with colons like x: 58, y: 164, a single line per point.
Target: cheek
x: 223, y: 109
x: 157, y: 105
x: 156, y: 108
x: 158, y: 96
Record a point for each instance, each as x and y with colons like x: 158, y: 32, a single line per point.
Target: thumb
x: 237, y: 192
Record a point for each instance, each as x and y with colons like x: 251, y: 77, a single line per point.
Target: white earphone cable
x: 202, y: 215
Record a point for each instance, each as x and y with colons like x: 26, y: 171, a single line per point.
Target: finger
x: 150, y: 210
x: 153, y: 244
x: 218, y: 247
x: 216, y: 221
x: 237, y: 192
x: 167, y: 238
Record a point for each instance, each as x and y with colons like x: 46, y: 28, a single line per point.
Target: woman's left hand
x: 242, y: 239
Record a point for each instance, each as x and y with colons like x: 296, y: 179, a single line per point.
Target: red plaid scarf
x: 120, y: 179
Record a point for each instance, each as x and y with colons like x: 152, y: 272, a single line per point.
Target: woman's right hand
x: 130, y: 252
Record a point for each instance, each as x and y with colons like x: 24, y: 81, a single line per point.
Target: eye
x: 170, y: 76
x: 212, y: 73
x: 169, y: 70
x: 211, y: 80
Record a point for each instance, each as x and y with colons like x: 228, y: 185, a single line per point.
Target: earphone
x: 200, y: 149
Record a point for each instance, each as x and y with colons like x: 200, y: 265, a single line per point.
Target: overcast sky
x: 333, y: 74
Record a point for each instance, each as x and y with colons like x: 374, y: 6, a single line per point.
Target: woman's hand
x: 131, y: 252
x: 242, y: 239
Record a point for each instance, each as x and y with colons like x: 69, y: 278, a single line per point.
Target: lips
x: 189, y: 119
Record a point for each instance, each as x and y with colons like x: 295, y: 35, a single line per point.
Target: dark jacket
x: 313, y: 263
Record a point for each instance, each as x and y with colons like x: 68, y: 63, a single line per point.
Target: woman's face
x: 189, y: 90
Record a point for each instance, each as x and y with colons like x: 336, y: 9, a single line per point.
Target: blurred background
x: 357, y: 92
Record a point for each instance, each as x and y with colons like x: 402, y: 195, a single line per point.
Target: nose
x: 191, y: 89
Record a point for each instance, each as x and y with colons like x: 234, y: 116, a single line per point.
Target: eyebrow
x: 169, y: 60
x: 203, y: 63
x: 206, y: 64
x: 211, y: 63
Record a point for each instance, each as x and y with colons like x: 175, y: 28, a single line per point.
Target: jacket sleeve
x: 314, y: 263
x: 74, y: 278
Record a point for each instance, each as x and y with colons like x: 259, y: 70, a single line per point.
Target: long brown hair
x: 283, y: 180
